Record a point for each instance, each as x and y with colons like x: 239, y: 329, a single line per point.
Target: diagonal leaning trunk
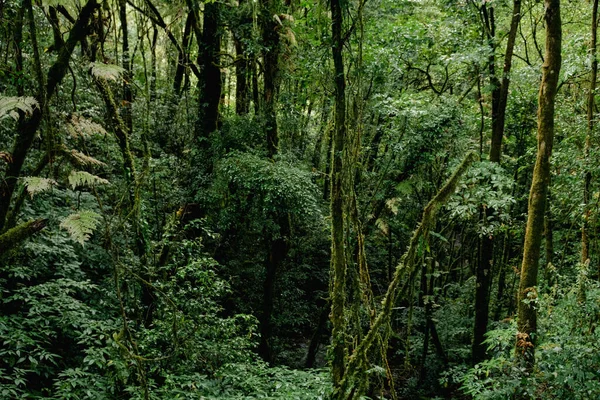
x: 527, y: 295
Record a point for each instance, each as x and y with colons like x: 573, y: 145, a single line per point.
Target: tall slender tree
x: 270, y: 25
x: 338, y: 256
x: 486, y: 248
x: 527, y: 294
x: 591, y: 105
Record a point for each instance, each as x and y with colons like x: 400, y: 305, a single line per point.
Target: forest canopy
x: 358, y: 199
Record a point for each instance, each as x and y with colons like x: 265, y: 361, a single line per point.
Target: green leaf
x: 106, y: 71
x: 83, y: 178
x: 81, y: 225
x: 9, y: 105
x: 82, y: 127
x: 35, y: 184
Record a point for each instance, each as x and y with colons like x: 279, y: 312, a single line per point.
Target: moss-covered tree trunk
x: 338, y: 257
x: 527, y: 295
x: 126, y: 63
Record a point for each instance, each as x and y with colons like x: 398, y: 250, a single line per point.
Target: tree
x: 499, y: 103
x: 338, y: 255
x: 528, y: 292
x: 591, y: 105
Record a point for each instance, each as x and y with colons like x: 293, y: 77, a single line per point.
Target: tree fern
x: 81, y: 225
x: 83, y: 127
x: 10, y: 105
x: 35, y: 184
x: 79, y: 158
x: 83, y: 178
x: 106, y: 71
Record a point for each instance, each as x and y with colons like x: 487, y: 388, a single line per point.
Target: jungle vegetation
x: 293, y: 199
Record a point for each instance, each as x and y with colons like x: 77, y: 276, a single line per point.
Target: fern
x: 10, y: 105
x: 82, y: 159
x: 81, y: 225
x: 82, y: 127
x: 106, y: 71
x: 82, y: 178
x: 35, y: 184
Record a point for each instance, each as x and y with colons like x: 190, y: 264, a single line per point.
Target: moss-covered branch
x: 16, y: 235
x: 357, y: 362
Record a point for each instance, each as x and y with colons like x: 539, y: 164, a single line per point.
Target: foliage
x: 109, y: 72
x: 35, y: 185
x: 566, y: 363
x: 83, y: 178
x: 8, y: 105
x: 81, y: 225
x: 154, y: 251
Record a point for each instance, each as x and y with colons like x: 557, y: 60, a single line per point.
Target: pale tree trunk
x: 527, y: 295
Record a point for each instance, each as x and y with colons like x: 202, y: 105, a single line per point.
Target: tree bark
x: 338, y: 256
x: 182, y: 57
x: 499, y: 101
x: 499, y: 121
x: 278, y: 249
x: 242, y: 62
x: 527, y: 294
x: 587, y: 180
x: 270, y: 38
x: 210, y: 80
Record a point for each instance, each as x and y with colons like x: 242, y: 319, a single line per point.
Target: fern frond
x: 82, y: 159
x: 83, y: 127
x: 10, y: 105
x: 106, y: 71
x: 83, y: 178
x: 5, y: 156
x: 81, y: 225
x: 35, y: 184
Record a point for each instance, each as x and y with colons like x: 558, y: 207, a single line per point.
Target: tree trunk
x: 210, y: 82
x: 126, y: 63
x: 499, y: 101
x: 242, y: 62
x: 182, y: 57
x: 338, y: 256
x: 549, y: 242
x: 500, y: 115
x: 153, y: 73
x: 587, y: 180
x: 527, y: 295
x: 270, y: 38
x: 315, y: 340
x: 483, y: 275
